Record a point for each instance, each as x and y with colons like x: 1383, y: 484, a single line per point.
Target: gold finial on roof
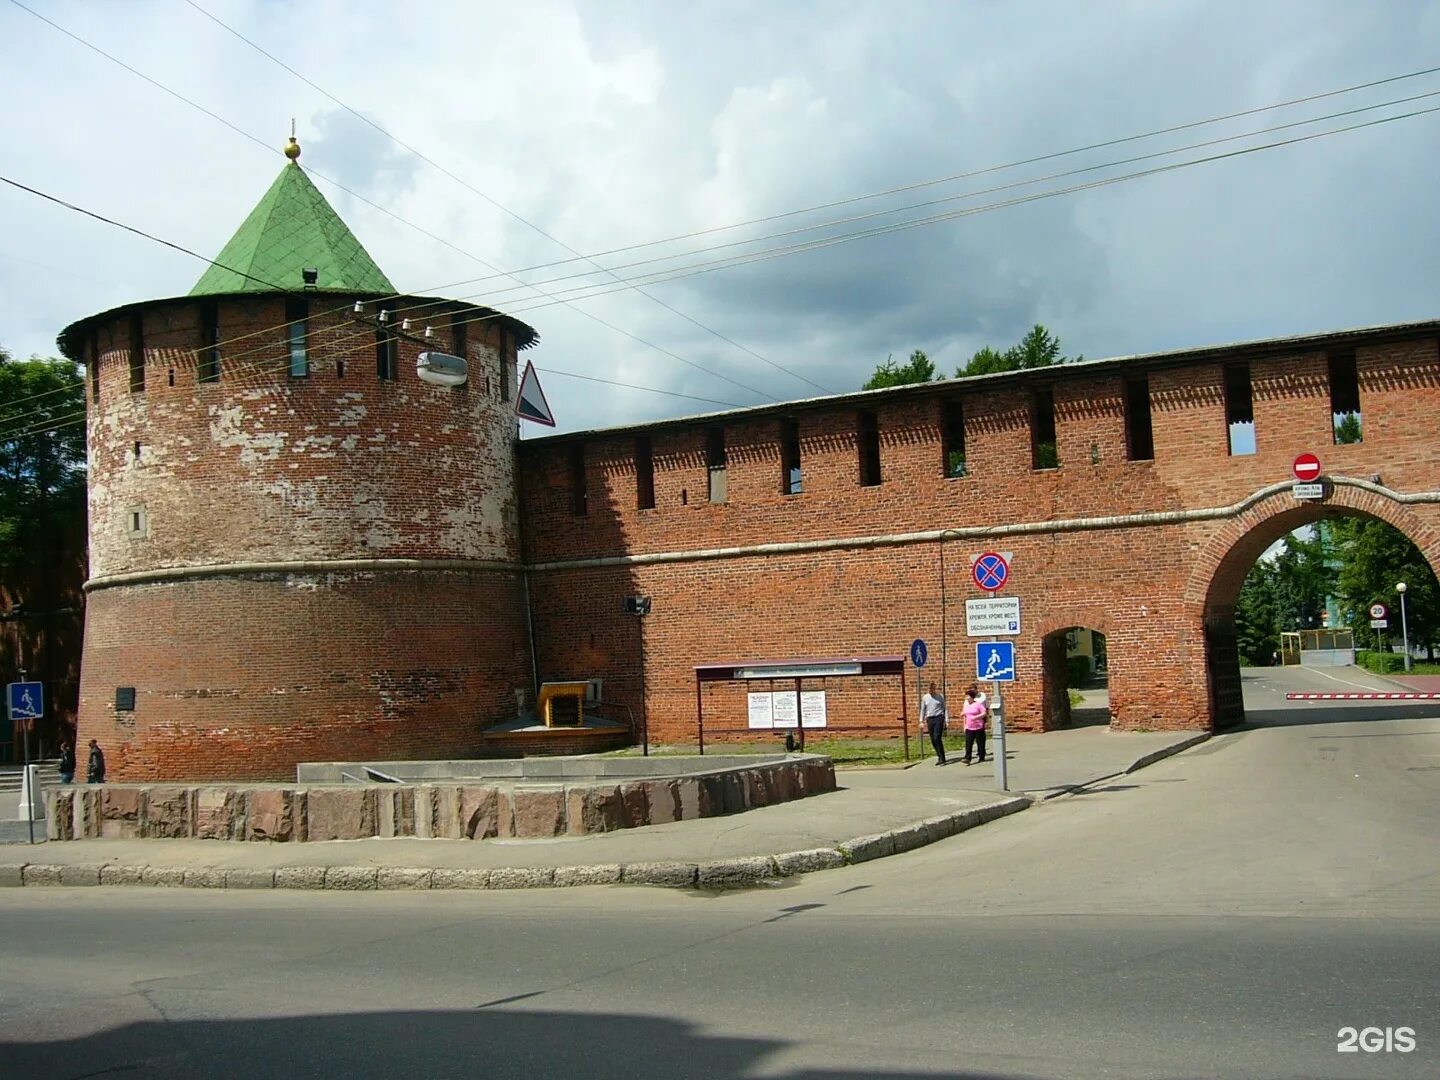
x: 292, y: 151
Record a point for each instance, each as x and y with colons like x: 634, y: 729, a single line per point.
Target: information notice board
x: 782, y: 709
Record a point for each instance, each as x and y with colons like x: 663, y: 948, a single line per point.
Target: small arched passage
x: 1056, y: 634
x: 1220, y: 570
x: 1072, y: 658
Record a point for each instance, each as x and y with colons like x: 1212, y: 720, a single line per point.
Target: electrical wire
x: 953, y: 177
x: 493, y: 202
x: 978, y: 192
x: 384, y: 210
x: 950, y: 215
x: 1043, y: 157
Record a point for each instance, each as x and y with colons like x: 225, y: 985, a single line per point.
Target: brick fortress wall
x: 844, y: 569
x: 244, y: 538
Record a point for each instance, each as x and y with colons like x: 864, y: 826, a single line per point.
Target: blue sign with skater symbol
x: 995, y: 661
x: 26, y: 700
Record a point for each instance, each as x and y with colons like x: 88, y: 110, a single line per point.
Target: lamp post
x: 1404, y: 624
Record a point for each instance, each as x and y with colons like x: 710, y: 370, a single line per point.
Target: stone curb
x: 737, y: 873
x: 1135, y: 766
x: 1160, y: 755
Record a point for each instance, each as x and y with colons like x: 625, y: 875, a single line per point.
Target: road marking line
x: 1336, y: 678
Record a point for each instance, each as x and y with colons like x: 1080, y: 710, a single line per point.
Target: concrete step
x: 13, y: 776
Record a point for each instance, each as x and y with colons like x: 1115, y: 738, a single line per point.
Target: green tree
x: 919, y: 368
x: 1257, y: 621
x: 1347, y: 429
x: 986, y: 362
x: 1374, y: 557
x: 42, y: 455
x: 1302, y: 581
x: 1038, y: 348
x: 42, y: 530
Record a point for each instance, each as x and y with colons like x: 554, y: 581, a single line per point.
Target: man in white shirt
x: 932, y: 720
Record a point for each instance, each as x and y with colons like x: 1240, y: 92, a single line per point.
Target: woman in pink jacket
x: 974, y: 714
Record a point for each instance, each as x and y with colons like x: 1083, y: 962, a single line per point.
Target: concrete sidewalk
x: 874, y: 813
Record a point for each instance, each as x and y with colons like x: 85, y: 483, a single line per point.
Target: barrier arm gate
x: 748, y: 670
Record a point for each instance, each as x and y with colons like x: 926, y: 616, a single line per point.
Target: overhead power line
x: 493, y: 202
x: 377, y: 206
x: 994, y: 168
x: 916, y: 223
x: 971, y: 174
x: 699, y: 268
x: 919, y: 222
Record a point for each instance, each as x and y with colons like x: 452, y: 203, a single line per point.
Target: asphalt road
x: 1226, y: 912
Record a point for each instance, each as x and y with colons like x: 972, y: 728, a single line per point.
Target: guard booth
x: 1318, y: 648
x: 789, y: 696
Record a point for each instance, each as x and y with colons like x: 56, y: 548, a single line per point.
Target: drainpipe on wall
x: 530, y: 636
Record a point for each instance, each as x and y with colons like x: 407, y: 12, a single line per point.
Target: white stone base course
x: 736, y: 873
x: 403, y: 877
x: 300, y: 877
x: 460, y: 879
x: 121, y: 875
x: 249, y: 879
x: 608, y: 874
x: 351, y: 878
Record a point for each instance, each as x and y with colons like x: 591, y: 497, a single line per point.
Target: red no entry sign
x: 1306, y: 468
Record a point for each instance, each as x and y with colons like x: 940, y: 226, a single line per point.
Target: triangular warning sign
x: 530, y: 403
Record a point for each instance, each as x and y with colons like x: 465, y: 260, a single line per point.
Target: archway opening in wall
x: 1076, y: 673
x: 1298, y: 591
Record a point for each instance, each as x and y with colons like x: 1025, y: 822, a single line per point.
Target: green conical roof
x: 292, y: 228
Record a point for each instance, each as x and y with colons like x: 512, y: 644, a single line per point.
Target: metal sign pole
x: 27, y: 786
x: 904, y: 718
x: 997, y: 729
x: 920, y: 709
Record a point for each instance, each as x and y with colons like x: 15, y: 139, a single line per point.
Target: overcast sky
x: 613, y: 124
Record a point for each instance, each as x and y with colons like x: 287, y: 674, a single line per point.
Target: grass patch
x: 842, y: 752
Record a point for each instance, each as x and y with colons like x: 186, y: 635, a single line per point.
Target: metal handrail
x: 629, y: 720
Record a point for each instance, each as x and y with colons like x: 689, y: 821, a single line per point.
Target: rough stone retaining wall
x: 730, y: 873
x: 473, y: 811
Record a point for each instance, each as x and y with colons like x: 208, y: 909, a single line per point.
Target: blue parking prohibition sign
x: 991, y: 571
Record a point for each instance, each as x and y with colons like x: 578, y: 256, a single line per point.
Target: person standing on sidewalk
x: 67, y: 762
x: 96, y: 772
x: 932, y: 719
x: 974, y: 714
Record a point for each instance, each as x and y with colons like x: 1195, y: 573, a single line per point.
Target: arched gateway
x: 299, y: 550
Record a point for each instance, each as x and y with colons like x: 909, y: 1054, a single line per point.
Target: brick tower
x: 299, y: 550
